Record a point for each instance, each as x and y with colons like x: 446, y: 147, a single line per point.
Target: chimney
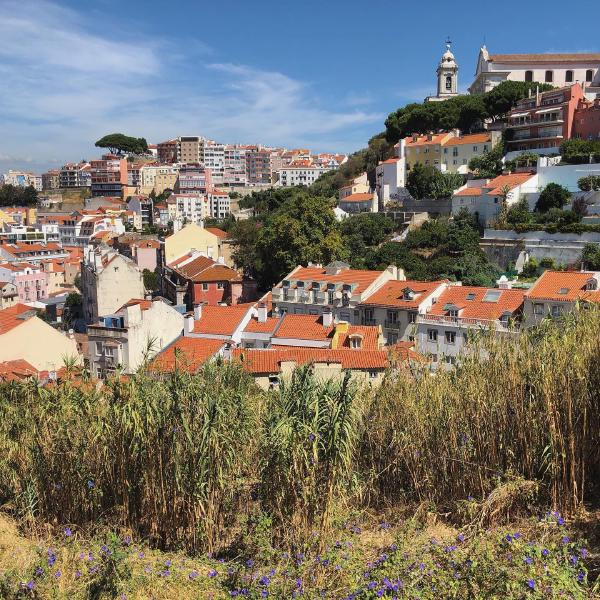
x: 327, y: 319
x: 188, y: 324
x: 197, y: 312
x: 262, y: 312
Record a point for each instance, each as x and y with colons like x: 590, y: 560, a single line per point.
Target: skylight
x: 563, y: 291
x: 491, y: 296
x: 470, y: 296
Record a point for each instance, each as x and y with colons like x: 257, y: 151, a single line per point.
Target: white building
x: 108, y: 281
x: 23, y: 179
x: 300, y: 172
x: 390, y: 176
x: 133, y: 334
x: 219, y: 204
x: 214, y: 159
x: 447, y: 77
x: 558, y: 70
x: 234, y: 173
x: 190, y: 208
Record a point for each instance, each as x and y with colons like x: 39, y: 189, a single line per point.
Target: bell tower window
x: 449, y: 82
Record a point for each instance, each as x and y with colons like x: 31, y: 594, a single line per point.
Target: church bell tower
x: 447, y: 76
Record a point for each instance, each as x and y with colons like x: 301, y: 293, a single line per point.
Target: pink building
x: 31, y: 280
x: 586, y: 122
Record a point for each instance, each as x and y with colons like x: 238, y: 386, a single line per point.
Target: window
x: 99, y: 348
x: 549, y: 76
x: 589, y: 75
x: 528, y: 75
x: 220, y: 285
x: 556, y: 310
x: 392, y: 338
x: 538, y: 308
x: 434, y: 358
x: 205, y: 287
x: 373, y: 374
x: 432, y: 335
x: 450, y: 337
x: 450, y: 360
x: 412, y: 317
x: 491, y: 296
x: 392, y: 316
x: 109, y: 351
x: 330, y: 296
x: 474, y: 148
x: 569, y: 76
x: 313, y: 311
x: 449, y: 82
x: 453, y: 312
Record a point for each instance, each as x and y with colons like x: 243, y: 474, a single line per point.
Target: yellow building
x: 424, y: 149
x: 192, y: 237
x: 359, y: 185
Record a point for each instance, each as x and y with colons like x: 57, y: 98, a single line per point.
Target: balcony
x: 391, y: 324
x: 365, y: 321
x: 443, y: 320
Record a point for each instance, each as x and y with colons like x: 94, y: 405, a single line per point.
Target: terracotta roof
x: 218, y: 232
x: 571, y: 283
x: 389, y: 161
x: 29, y: 248
x: 14, y: 316
x: 512, y: 181
x: 193, y: 267
x: 220, y: 320
x: 471, y: 304
x: 147, y: 244
x: 358, y: 198
x: 437, y: 138
x: 362, y: 278
x: 544, y: 57
x: 475, y: 138
x: 392, y: 293
x: 15, y: 370
x: 19, y: 266
x: 369, y: 335
x: 470, y: 191
x: 268, y: 361
x: 191, y: 353
x: 144, y: 304
x: 254, y: 326
x: 217, y: 272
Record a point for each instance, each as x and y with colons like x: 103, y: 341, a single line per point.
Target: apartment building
x: 157, y: 178
x: 29, y: 279
x: 543, y: 121
x: 132, y: 335
x: 301, y: 172
x: 396, y: 305
x: 75, y: 175
x: 390, y: 177
x: 458, y: 151
x: 143, y: 206
x: 194, y: 278
x: 190, y: 207
x: 108, y: 176
x: 219, y: 204
x: 336, y: 289
x: 258, y: 165
x: 234, y: 173
x: 166, y: 152
x: 9, y: 294
x: 214, y: 159
x: 23, y: 179
x: 556, y: 293
x: 190, y: 149
x: 445, y: 331
x: 108, y: 281
x: 586, y: 120
x: 31, y: 252
x: 51, y: 180
x: 193, y: 178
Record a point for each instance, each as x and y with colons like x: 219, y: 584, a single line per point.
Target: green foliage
x: 73, y: 308
x: 119, y: 143
x: 151, y: 282
x: 591, y: 257
x: 303, y: 230
x: 552, y: 196
x: 467, y: 113
x: 11, y: 195
x: 577, y: 151
x: 373, y: 228
x: 589, y: 183
x: 428, y: 182
x: 519, y: 213
x: 489, y: 164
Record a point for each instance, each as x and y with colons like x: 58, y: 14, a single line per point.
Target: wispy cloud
x: 64, y: 86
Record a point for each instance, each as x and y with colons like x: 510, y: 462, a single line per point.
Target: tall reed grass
x: 184, y: 459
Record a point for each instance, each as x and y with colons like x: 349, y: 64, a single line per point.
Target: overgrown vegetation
x: 11, y: 195
x: 576, y: 151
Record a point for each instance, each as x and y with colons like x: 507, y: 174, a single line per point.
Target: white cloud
x: 66, y: 86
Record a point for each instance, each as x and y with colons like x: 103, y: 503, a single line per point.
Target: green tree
x: 552, y: 196
x: 372, y: 228
x: 591, y: 257
x: 244, y: 237
x: 489, y: 164
x: 505, y: 96
x: 303, y: 230
x: 589, y: 183
x: 151, y: 282
x: 11, y: 195
x: 119, y: 143
x: 519, y: 213
x: 73, y: 309
x: 427, y: 182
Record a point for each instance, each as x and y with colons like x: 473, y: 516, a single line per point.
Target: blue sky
x: 318, y: 74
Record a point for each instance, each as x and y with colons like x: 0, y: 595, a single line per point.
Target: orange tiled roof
x: 147, y: 244
x: 220, y: 320
x: 191, y: 354
x: 469, y: 301
x: 511, y: 180
x: 389, y: 161
x: 570, y: 283
x: 14, y: 316
x: 29, y: 248
x: 543, y: 57
x: 254, y: 326
x: 470, y: 191
x: 358, y: 198
x: 391, y: 293
x: 217, y: 272
x: 436, y: 138
x: 144, y: 304
x: 19, y: 266
x: 218, y: 232
x: 369, y: 334
x: 475, y: 138
x: 362, y: 278
x: 14, y: 370
x: 264, y: 362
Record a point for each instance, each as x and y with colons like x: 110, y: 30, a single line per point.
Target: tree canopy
x: 552, y: 196
x: 119, y: 143
x: 425, y: 181
x: 11, y: 195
